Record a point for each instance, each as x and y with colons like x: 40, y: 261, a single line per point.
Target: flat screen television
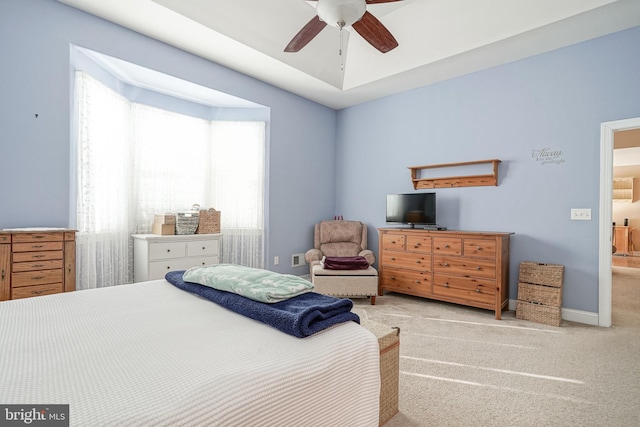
x: 415, y: 209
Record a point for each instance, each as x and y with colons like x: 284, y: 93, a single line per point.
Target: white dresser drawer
x: 166, y: 250
x: 158, y: 269
x: 203, y: 248
x: 155, y: 255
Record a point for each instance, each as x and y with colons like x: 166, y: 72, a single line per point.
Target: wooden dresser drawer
x: 477, y: 290
x: 40, y: 277
x: 38, y: 246
x: 447, y: 245
x: 5, y: 238
x: 393, y: 242
x: 38, y: 237
x: 419, y: 244
x: 37, y: 265
x: 167, y: 250
x: 406, y: 281
x: 37, y: 290
x: 463, y: 266
x: 37, y: 256
x: 415, y: 261
x: 482, y: 248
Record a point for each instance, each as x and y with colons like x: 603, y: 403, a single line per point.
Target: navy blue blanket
x: 300, y: 316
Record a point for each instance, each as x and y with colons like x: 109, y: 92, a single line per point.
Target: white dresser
x: 155, y: 255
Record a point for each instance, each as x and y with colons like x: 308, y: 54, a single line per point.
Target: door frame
x: 607, y: 130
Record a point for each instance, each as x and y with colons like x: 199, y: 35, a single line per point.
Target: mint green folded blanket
x: 254, y: 283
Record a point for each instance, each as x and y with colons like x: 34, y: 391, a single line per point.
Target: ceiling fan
x: 340, y: 14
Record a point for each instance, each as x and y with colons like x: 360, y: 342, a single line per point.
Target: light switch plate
x: 581, y: 214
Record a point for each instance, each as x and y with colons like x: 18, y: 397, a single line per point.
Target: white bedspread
x: 152, y: 354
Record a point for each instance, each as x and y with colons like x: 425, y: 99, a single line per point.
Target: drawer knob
x: 447, y: 246
x: 418, y: 281
x: 478, y: 248
x: 393, y: 258
x: 418, y: 261
x: 168, y: 250
x: 478, y: 290
x: 393, y: 277
x: 393, y: 242
x: 203, y: 248
x: 3, y: 274
x: 446, y: 285
x: 446, y: 264
x: 418, y: 244
x: 478, y: 268
x: 168, y: 267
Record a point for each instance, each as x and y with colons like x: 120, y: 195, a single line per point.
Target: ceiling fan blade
x: 380, y: 1
x: 372, y: 30
x: 305, y: 35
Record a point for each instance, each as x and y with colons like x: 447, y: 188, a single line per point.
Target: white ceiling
x: 438, y: 39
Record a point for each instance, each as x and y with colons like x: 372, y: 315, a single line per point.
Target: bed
x: 152, y: 354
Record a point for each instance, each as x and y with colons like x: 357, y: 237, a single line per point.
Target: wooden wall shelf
x: 455, y: 181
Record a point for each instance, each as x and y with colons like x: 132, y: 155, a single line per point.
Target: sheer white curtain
x: 134, y: 161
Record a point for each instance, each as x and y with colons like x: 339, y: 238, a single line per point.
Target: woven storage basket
x: 209, y: 222
x: 545, y: 314
x: 389, y: 343
x: 540, y: 294
x: 541, y: 274
x: 187, y: 222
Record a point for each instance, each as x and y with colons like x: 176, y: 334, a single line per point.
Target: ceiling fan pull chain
x: 341, y: 57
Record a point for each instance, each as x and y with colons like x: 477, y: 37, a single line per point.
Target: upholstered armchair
x: 339, y: 239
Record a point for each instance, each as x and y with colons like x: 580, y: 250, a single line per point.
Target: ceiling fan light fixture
x: 341, y: 13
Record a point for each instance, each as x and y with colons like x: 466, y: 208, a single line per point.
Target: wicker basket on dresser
x: 34, y: 263
x: 463, y: 267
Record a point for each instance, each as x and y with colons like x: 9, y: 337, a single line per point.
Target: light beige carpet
x: 461, y: 367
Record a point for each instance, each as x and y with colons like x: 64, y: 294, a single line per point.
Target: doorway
x: 607, y: 130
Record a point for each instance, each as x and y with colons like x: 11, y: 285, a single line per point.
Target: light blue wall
x: 36, y: 38
x: 555, y: 100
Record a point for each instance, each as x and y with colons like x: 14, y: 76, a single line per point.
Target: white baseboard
x: 579, y: 316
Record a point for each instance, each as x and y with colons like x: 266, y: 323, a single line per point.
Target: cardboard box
x: 165, y: 219
x: 163, y: 229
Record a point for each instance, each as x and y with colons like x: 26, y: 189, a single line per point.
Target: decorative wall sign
x: 547, y: 156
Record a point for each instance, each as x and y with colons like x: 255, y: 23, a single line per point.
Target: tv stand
x: 462, y: 267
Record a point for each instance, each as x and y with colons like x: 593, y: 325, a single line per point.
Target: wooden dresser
x: 463, y: 267
x: 37, y: 262
x: 155, y: 255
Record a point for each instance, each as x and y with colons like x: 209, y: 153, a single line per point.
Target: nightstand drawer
x: 38, y: 237
x: 477, y: 290
x: 167, y: 250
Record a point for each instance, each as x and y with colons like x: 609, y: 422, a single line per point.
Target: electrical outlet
x: 276, y: 260
x: 581, y: 214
